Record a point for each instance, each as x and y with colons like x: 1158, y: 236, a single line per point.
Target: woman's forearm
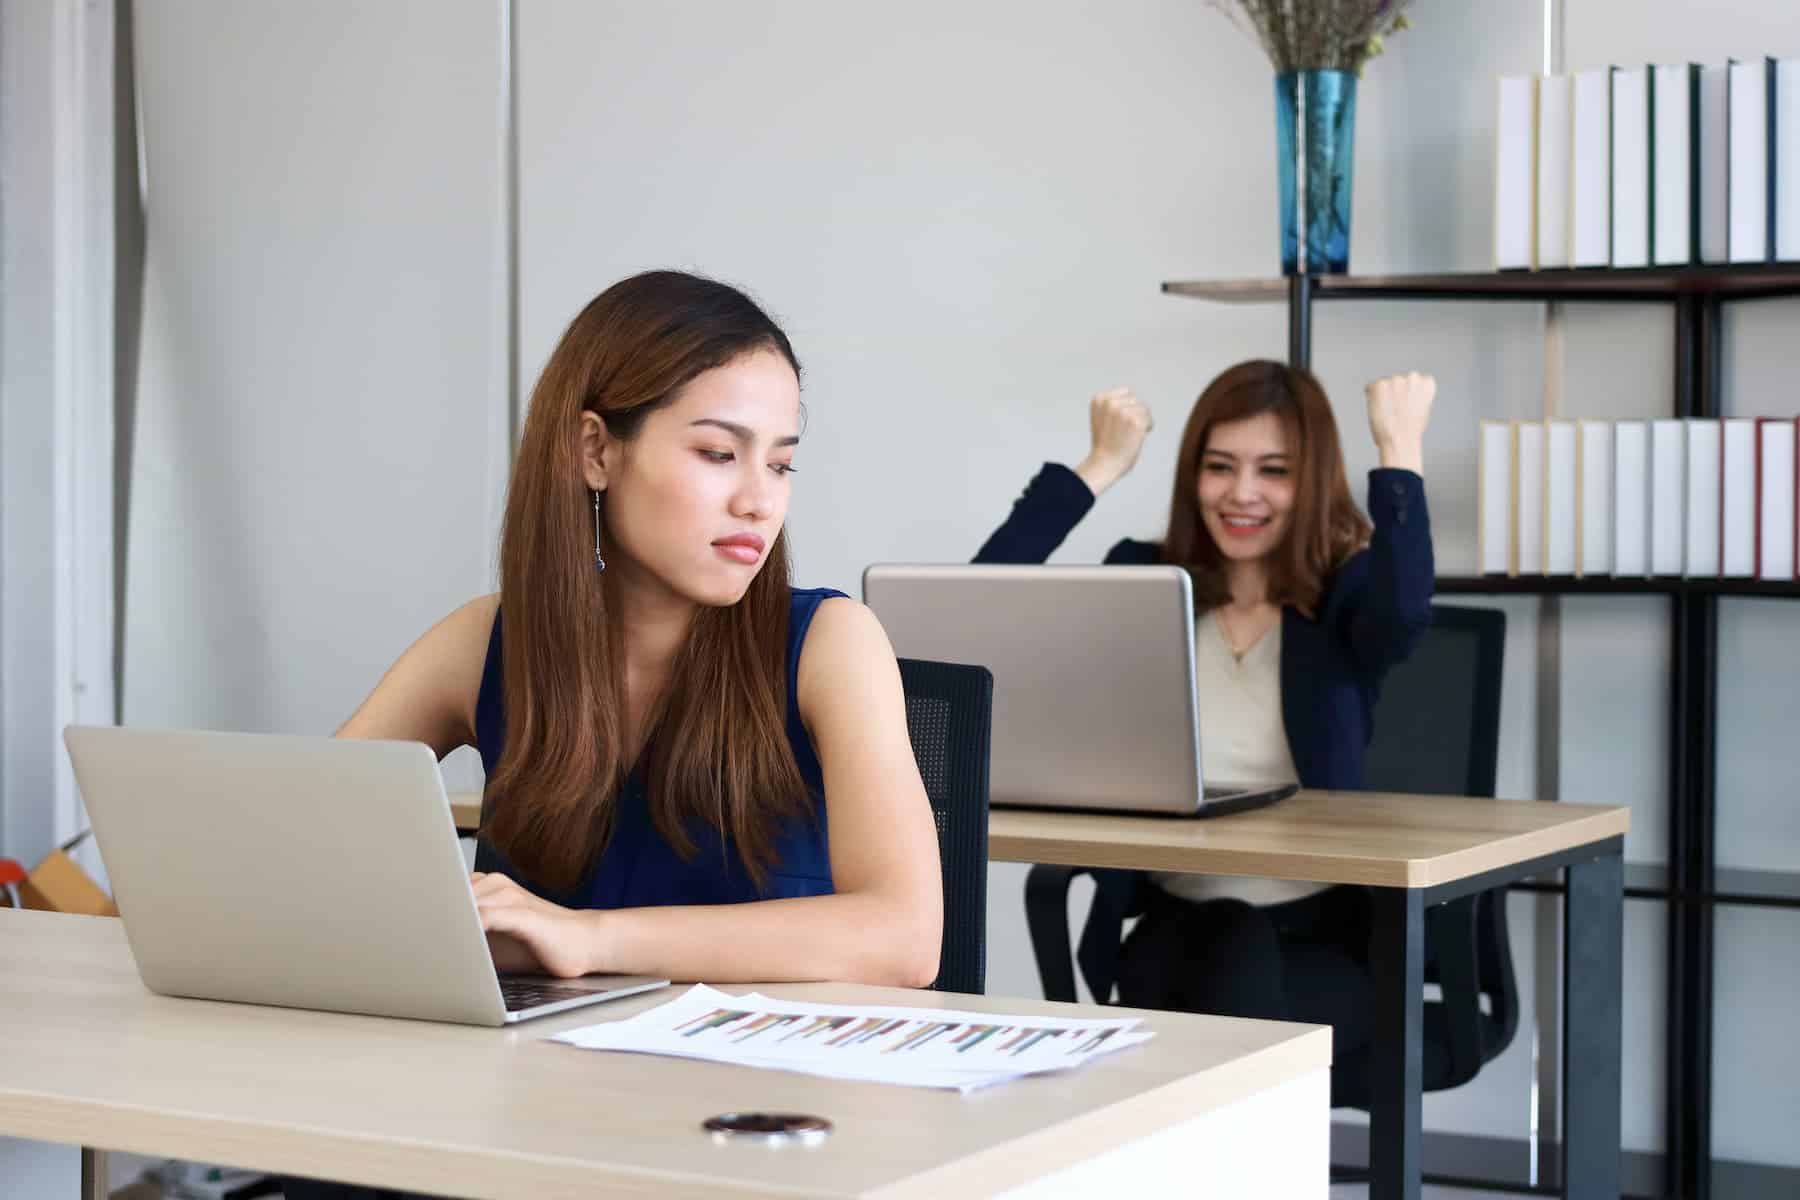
x: 844, y: 938
x: 1053, y: 503
x: 1405, y: 455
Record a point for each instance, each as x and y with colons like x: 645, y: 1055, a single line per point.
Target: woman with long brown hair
x: 1302, y: 604
x: 694, y: 770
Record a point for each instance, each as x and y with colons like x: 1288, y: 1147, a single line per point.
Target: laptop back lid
x: 1094, y: 703
x: 307, y: 872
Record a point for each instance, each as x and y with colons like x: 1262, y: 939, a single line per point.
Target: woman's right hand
x: 1118, y: 422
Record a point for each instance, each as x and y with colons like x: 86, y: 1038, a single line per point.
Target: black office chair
x: 949, y: 715
x: 1437, y: 731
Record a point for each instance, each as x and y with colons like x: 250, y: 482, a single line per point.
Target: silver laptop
x: 308, y: 872
x: 1094, y: 701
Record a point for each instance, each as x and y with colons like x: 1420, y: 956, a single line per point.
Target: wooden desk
x: 1413, y: 852
x: 88, y: 1056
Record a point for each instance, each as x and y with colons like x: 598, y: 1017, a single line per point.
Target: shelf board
x: 1607, y: 585
x: 1748, y: 281
x: 1647, y: 881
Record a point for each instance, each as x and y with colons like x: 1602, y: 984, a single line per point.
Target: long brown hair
x: 716, y: 750
x: 1325, y: 527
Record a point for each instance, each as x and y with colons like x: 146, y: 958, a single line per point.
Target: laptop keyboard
x: 521, y: 994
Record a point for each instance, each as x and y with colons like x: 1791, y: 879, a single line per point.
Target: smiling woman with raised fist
x: 1302, y: 604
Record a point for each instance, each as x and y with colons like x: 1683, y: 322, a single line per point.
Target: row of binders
x: 1697, y: 498
x: 1649, y: 166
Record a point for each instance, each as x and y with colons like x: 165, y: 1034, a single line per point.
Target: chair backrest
x: 1437, y: 730
x: 949, y: 715
x: 1437, y: 726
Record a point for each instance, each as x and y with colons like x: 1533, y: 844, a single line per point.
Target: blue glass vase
x: 1315, y: 146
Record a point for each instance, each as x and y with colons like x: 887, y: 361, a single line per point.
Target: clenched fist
x: 1399, y: 410
x: 1118, y: 423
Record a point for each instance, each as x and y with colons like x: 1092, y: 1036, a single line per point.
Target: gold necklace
x: 1231, y: 644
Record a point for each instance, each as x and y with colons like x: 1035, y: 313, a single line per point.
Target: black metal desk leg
x: 1593, y: 987
x: 93, y: 1174
x: 1397, y: 960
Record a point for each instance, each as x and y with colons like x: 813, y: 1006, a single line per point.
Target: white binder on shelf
x: 1749, y: 104
x: 1594, y: 495
x: 1775, y: 485
x: 1560, y: 519
x: 1553, y: 171
x: 1737, y: 497
x: 1668, y: 495
x: 1713, y: 140
x: 1672, y: 208
x: 1590, y: 170
x: 1515, y: 179
x: 1785, y: 139
x: 1494, y: 475
x: 1630, y: 166
x: 1702, y: 533
x: 1631, y: 498
x: 1528, y: 498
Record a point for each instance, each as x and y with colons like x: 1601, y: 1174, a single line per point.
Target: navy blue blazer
x: 1376, y: 608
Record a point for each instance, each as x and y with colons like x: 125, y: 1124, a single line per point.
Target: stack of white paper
x: 915, y: 1047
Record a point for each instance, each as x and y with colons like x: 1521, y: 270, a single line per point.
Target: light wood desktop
x: 1375, y: 838
x: 88, y: 1056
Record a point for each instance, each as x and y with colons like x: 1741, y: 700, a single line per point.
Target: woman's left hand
x: 1399, y: 410
x: 556, y: 937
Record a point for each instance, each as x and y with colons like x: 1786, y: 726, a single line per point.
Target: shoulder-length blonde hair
x: 716, y: 748
x: 1325, y: 527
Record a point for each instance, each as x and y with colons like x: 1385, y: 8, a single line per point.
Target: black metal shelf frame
x: 1692, y: 885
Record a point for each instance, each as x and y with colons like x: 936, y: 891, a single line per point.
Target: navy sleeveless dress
x: 639, y: 869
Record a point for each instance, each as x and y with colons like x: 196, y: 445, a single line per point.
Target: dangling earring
x: 599, y: 563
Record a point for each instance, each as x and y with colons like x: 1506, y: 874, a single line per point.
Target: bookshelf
x: 1692, y: 885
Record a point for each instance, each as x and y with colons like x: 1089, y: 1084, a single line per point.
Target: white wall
x: 321, y: 423
x: 27, y: 425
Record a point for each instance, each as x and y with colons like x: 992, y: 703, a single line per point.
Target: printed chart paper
x: 915, y: 1047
